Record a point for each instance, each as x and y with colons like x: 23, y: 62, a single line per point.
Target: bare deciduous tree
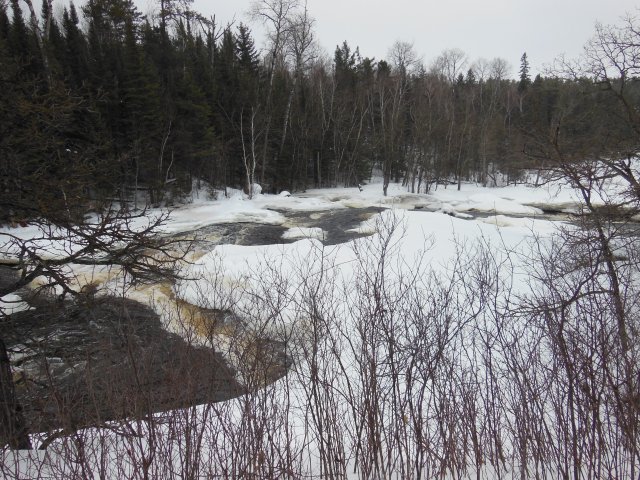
x: 277, y: 16
x: 114, y: 237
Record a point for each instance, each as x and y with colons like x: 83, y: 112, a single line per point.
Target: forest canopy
x: 104, y: 102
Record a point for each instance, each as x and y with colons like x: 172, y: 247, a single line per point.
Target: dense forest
x: 104, y: 102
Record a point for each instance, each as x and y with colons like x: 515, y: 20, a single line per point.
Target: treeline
x: 104, y: 101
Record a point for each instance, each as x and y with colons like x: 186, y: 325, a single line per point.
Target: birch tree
x: 276, y: 15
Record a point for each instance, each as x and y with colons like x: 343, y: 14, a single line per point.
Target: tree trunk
x: 268, y: 107
x: 13, y: 430
x: 287, y: 114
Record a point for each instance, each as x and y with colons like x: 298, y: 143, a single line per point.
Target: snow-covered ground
x: 231, y: 276
x: 440, y: 219
x: 426, y: 231
x: 518, y: 200
x: 509, y: 216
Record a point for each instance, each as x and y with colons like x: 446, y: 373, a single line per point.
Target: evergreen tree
x: 4, y: 23
x: 229, y: 107
x: 249, y: 104
x: 471, y: 77
x: 345, y: 61
x: 169, y: 102
x: 383, y: 70
x: 75, y: 53
x: 246, y: 51
x: 8, y: 97
x: 139, y: 114
x: 54, y: 45
x: 525, y: 78
x: 161, y: 53
x: 347, y: 119
x: 19, y: 39
x: 191, y: 134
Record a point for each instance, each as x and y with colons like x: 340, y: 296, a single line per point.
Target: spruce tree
x: 228, y: 107
x: 344, y: 61
x: 525, y: 78
x: 246, y: 51
x: 471, y: 77
x: 75, y: 54
x: 54, y: 44
x: 4, y: 23
x: 139, y: 114
x: 191, y: 138
x: 19, y: 38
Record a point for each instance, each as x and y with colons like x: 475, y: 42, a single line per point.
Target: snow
x: 444, y: 214
x: 527, y: 225
x: 236, y: 208
x: 53, y: 243
x: 443, y: 220
x: 234, y: 267
x: 263, y: 208
x: 433, y: 227
x: 12, y: 303
x: 256, y: 188
x: 427, y: 231
x: 304, y: 232
x: 489, y: 202
x: 234, y: 271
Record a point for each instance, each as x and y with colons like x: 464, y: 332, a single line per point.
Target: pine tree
x: 8, y: 98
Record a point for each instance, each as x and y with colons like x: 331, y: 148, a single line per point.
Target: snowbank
x: 12, y: 303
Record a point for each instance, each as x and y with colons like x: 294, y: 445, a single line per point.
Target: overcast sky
x: 481, y: 28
